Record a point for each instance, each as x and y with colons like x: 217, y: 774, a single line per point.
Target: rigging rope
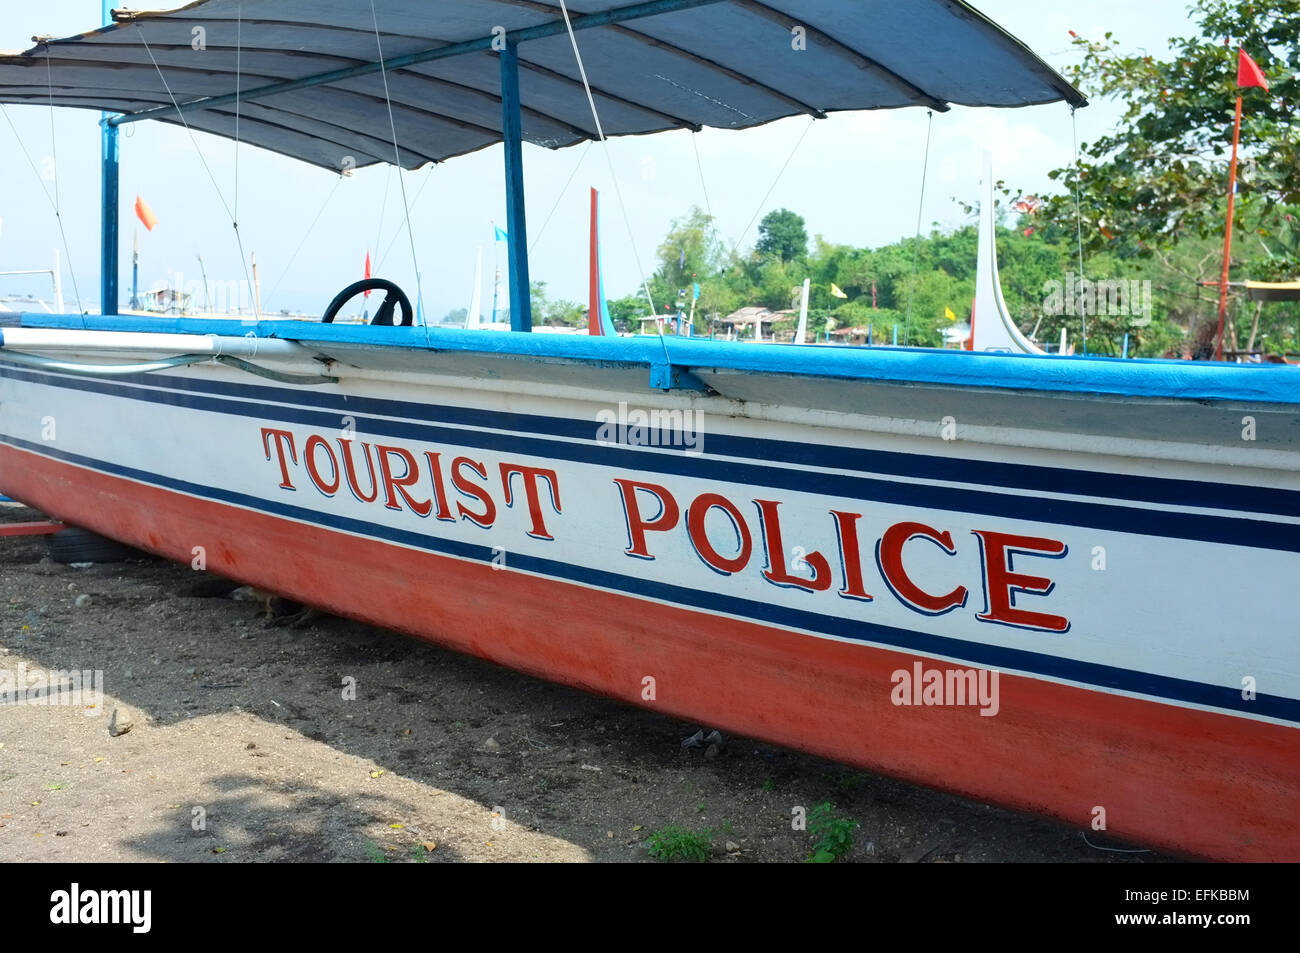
x: 559, y: 198
x: 920, y: 211
x: 243, y: 259
x: 383, y: 210
x: 772, y: 187
x: 239, y: 50
x: 294, y: 257
x: 397, y: 232
x: 1078, y: 221
x: 708, y: 206
x: 397, y: 160
x: 591, y: 101
x: 58, y: 216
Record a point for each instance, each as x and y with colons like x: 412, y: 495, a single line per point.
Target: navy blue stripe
x: 1236, y: 531
x: 1028, y: 477
x: 988, y: 656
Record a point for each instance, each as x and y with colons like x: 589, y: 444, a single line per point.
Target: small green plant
x: 678, y: 843
x: 851, y: 780
x: 832, y: 835
x: 375, y: 854
x: 768, y: 785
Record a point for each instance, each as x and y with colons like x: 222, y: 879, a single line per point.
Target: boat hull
x: 650, y: 574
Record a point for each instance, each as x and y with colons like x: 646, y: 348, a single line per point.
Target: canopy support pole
x: 108, y: 225
x: 521, y: 315
x: 109, y: 205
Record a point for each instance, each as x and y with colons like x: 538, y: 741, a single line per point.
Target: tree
x: 627, y: 312
x: 691, y: 252
x: 1161, y: 178
x: 782, y: 235
x: 557, y: 312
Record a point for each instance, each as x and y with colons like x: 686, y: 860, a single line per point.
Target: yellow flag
x: 949, y: 314
x: 835, y: 290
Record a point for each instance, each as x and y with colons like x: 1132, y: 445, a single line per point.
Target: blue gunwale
x: 1100, y: 376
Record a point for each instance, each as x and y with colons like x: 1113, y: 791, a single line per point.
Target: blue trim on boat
x: 1235, y: 531
x: 1271, y: 501
x: 1043, y: 479
x: 1185, y: 380
x: 762, y: 613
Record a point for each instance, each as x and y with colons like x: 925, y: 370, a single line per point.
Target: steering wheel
x: 384, y: 315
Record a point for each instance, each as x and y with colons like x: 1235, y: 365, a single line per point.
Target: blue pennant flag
x: 501, y: 235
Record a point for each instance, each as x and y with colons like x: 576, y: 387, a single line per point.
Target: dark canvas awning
x: 310, y: 86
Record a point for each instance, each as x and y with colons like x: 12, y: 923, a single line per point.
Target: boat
x: 12, y: 303
x: 1060, y: 585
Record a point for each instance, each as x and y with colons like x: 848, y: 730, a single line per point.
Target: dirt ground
x: 243, y: 748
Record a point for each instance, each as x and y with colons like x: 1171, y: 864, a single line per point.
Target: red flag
x: 366, y: 294
x: 1249, y: 73
x: 145, y: 213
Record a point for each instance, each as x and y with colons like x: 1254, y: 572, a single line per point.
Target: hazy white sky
x: 856, y: 179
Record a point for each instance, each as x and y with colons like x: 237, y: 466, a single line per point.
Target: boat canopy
x: 303, y: 77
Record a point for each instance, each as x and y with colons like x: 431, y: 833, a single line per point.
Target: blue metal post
x: 108, y: 211
x: 521, y: 312
x: 108, y: 225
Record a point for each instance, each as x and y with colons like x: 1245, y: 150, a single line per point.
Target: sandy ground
x: 243, y: 748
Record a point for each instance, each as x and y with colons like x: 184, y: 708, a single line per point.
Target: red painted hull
x: 1190, y: 781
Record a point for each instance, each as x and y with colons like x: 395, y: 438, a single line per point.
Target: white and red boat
x: 1060, y: 585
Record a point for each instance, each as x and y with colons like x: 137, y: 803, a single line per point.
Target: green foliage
x: 555, y: 313
x: 1160, y: 180
x: 678, y: 843
x: 1152, y: 202
x: 627, y: 312
x: 832, y: 835
x: 781, y: 235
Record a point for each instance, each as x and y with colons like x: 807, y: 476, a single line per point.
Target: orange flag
x: 366, y: 294
x: 145, y: 213
x: 1248, y: 72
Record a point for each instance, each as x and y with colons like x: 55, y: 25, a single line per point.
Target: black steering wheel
x: 384, y: 315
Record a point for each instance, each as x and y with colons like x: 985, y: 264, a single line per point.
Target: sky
x: 855, y: 177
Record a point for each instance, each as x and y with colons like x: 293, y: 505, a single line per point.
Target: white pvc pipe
x: 85, y: 342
